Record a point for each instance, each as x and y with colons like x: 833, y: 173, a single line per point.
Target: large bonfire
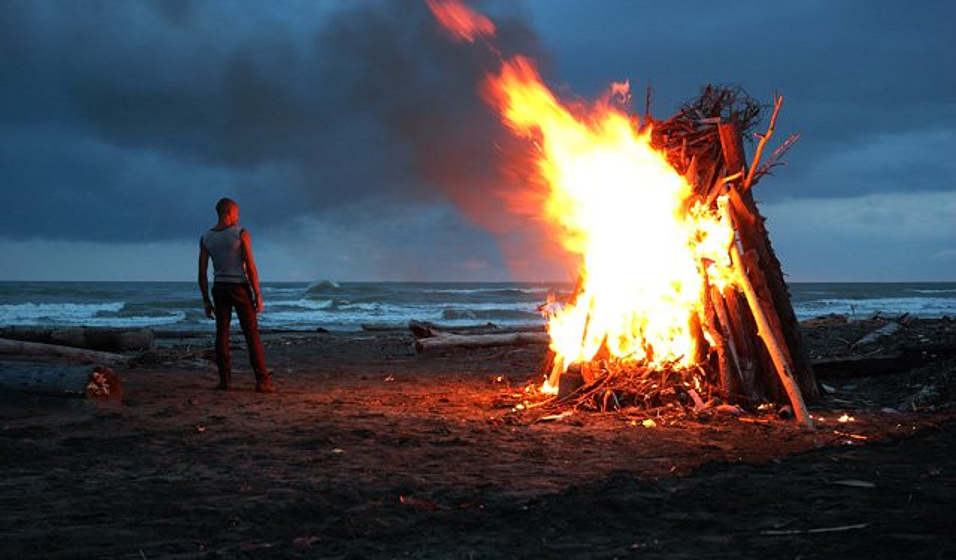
x: 617, y: 202
x: 676, y: 272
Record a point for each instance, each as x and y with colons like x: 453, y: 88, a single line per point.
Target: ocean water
x: 347, y: 306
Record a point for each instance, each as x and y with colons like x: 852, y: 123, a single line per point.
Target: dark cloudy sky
x: 352, y: 134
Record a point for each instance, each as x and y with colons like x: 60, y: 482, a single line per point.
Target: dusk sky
x: 355, y: 140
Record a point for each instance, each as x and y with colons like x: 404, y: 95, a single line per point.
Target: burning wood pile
x: 679, y: 292
x: 745, y: 342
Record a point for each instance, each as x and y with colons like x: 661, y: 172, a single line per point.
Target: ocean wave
x: 44, y: 313
x: 527, y: 306
x: 158, y: 308
x: 301, y: 304
x: 322, y: 286
x: 332, y: 287
x: 932, y: 291
x: 349, y: 305
x: 353, y: 306
x: 858, y: 308
x: 497, y: 291
x: 137, y: 321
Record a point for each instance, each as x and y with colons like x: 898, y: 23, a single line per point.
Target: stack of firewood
x: 754, y: 352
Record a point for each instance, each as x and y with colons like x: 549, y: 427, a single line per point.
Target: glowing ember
x: 463, y: 23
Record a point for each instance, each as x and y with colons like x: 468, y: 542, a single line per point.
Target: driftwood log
x: 106, y: 339
x: 423, y: 329
x: 22, y: 348
x: 904, y: 359
x: 874, y: 337
x: 446, y: 341
x: 431, y: 337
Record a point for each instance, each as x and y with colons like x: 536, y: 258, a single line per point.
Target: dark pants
x: 239, y: 296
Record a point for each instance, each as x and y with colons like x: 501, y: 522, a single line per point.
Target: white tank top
x: 225, y: 248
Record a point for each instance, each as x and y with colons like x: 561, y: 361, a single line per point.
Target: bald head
x: 228, y: 211
x: 225, y: 205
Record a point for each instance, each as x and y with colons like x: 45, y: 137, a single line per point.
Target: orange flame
x: 647, y: 251
x: 620, y: 206
x: 461, y: 21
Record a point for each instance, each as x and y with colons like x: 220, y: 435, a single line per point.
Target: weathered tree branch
x: 21, y: 348
x: 777, y: 103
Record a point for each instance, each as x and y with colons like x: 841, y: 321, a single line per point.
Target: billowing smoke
x: 151, y: 110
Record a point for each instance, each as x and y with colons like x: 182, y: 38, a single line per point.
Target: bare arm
x: 250, y: 263
x: 203, y: 280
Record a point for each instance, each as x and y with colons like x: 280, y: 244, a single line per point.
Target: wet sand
x: 370, y: 450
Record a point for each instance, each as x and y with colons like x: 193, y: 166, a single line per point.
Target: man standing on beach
x: 236, y: 286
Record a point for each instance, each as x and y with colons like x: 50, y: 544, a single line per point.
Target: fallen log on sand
x: 445, y: 341
x: 22, y: 348
x: 106, y: 339
x: 423, y: 329
x: 873, y: 337
x: 904, y: 359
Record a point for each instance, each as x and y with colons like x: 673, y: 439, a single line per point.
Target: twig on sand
x: 814, y: 531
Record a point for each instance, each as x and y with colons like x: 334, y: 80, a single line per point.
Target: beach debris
x: 885, y: 360
x: 851, y: 436
x: 554, y: 417
x: 927, y: 396
x: 814, y: 531
x: 731, y: 409
x: 417, y: 503
x: 103, y: 383
x: 872, y: 338
x: 854, y: 483
x: 305, y: 542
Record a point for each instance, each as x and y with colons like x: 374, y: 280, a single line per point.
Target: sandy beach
x: 370, y: 450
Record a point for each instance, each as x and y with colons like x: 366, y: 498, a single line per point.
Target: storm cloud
x: 144, y: 112
x: 358, y: 123
x: 858, y: 78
